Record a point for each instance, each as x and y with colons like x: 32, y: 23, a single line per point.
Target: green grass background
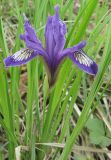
x: 30, y: 128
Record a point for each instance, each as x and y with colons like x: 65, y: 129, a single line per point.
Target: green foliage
x: 98, y: 132
x: 82, y: 158
x: 43, y: 115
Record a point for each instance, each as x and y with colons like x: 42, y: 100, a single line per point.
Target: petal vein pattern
x: 53, y: 53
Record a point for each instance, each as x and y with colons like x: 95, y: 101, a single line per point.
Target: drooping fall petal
x: 21, y: 57
x: 54, y: 51
x: 84, y: 62
x: 78, y: 56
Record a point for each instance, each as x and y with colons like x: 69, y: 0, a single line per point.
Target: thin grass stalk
x: 87, y: 106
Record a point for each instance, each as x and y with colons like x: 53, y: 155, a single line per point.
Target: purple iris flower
x: 53, y: 53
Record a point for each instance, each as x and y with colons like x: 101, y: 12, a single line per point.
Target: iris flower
x: 53, y: 53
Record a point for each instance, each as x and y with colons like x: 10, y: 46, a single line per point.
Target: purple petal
x: 55, y: 34
x: 49, y: 38
x: 59, y: 31
x: 73, y: 49
x: 84, y: 62
x: 21, y: 57
x: 30, y: 37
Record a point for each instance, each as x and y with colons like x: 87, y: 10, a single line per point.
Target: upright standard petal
x: 34, y: 48
x: 49, y: 38
x: 59, y: 31
x: 30, y: 37
x: 55, y: 34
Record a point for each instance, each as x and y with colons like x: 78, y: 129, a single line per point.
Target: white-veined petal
x: 83, y: 58
x: 22, y: 55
